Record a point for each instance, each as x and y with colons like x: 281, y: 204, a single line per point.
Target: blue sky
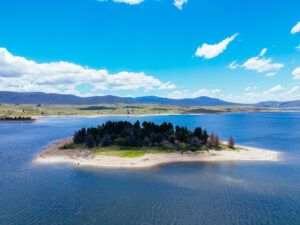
x: 171, y: 48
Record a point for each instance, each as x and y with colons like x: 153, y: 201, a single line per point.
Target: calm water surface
x: 193, y: 193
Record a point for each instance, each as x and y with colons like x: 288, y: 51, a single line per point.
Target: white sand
x: 82, y: 157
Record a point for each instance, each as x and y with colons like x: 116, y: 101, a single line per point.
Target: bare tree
x: 211, y: 140
x: 231, y: 142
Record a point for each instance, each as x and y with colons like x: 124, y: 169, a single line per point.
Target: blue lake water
x: 192, y: 193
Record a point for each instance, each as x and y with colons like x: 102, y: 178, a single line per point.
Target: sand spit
x: 83, y: 157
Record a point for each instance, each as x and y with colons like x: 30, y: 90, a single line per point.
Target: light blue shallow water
x: 193, y: 193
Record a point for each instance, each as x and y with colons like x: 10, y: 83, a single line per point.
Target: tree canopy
x: 124, y: 133
x: 15, y: 118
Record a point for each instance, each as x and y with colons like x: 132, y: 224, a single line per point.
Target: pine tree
x: 90, y: 140
x: 105, y: 141
x: 204, y: 137
x: 198, y: 133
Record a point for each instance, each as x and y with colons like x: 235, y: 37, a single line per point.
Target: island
x: 122, y: 144
x: 16, y: 119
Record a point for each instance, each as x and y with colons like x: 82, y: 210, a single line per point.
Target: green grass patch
x: 132, y: 154
x: 225, y: 147
x: 129, y: 152
x: 136, y: 152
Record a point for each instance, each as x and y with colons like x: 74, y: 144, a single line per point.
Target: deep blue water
x: 192, y: 193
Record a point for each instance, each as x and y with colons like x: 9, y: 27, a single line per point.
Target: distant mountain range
x: 288, y: 104
x: 59, y: 99
x: 62, y: 99
x: 200, y: 101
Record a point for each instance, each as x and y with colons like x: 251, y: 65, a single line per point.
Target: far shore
x: 84, y: 157
x: 123, y: 115
x: 125, y: 110
x: 18, y: 121
x: 144, y: 115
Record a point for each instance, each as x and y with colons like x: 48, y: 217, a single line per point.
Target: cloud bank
x: 275, y: 93
x: 20, y: 74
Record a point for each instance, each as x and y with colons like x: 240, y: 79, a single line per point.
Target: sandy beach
x: 83, y: 157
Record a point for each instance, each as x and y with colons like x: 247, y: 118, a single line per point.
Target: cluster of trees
x: 123, y: 133
x: 15, y: 118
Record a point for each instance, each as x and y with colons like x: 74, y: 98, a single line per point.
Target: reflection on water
x: 188, y: 193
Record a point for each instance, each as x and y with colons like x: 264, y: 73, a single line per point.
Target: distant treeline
x: 15, y: 118
x: 123, y: 133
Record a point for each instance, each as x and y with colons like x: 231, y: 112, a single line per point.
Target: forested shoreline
x: 126, y: 134
x: 16, y: 118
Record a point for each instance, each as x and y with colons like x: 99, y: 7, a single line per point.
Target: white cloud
x: 233, y: 65
x: 188, y: 94
x: 263, y: 51
x: 273, y: 89
x: 253, y: 97
x: 21, y: 74
x: 176, y: 94
x: 296, y: 28
x: 210, y: 51
x: 274, y: 94
x: 130, y: 2
x: 296, y: 73
x: 167, y: 86
x: 215, y: 91
x: 271, y: 74
x: 179, y: 3
x: 292, y: 90
x: 261, y: 64
x: 205, y: 92
x: 297, y: 47
x: 250, y: 95
x: 250, y: 88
